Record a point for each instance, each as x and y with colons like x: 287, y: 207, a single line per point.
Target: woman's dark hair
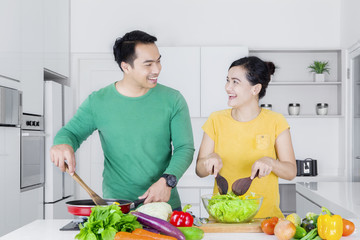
x: 124, y: 47
x: 257, y: 70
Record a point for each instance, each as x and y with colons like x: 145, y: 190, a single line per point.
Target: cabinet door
x: 57, y: 36
x: 9, y: 179
x: 31, y: 205
x: 10, y: 46
x: 181, y: 71
x: 215, y: 62
x: 304, y: 205
x: 32, y: 76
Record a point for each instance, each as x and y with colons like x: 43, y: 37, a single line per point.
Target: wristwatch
x: 171, y: 180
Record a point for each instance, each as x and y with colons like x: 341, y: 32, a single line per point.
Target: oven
x: 32, y: 164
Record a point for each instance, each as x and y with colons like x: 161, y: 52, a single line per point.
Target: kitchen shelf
x: 314, y: 116
x: 318, y: 178
x: 305, y: 83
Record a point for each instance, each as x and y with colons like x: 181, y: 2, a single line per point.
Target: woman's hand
x: 265, y: 165
x: 208, y: 162
x: 212, y: 164
x: 285, y: 166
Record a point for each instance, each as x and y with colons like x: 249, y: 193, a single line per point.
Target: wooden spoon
x: 96, y: 198
x: 221, y: 183
x: 241, y: 185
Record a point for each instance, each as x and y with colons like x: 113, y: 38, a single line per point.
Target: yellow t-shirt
x: 240, y: 144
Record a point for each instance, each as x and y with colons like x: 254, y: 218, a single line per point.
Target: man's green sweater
x: 136, y: 135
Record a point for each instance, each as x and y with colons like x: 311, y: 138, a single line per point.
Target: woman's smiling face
x: 238, y: 88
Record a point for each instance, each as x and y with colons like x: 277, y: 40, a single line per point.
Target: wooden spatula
x: 221, y: 183
x: 241, y: 185
x: 96, y: 198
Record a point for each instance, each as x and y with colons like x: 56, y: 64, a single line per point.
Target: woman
x: 238, y: 142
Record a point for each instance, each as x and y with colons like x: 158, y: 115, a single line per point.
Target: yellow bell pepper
x: 330, y: 227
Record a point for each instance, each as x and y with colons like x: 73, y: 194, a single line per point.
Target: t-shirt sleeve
x: 209, y: 127
x: 281, y: 125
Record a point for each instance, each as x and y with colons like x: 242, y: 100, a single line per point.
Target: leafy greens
x: 105, y: 221
x: 232, y: 208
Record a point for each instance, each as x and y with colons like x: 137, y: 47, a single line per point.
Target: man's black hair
x: 124, y: 47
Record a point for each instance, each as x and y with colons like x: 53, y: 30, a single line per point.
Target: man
x: 139, y: 121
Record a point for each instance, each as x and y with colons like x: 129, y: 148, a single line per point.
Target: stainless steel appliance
x: 32, y: 152
x: 10, y: 107
x: 59, y: 186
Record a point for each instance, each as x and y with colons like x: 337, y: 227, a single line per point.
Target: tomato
x: 348, y: 227
x: 268, y: 225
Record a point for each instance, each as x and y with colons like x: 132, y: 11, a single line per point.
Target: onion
x: 284, y: 229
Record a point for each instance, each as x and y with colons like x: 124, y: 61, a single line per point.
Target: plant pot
x: 319, y: 77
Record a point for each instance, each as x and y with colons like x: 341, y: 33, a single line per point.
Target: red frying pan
x: 83, y: 207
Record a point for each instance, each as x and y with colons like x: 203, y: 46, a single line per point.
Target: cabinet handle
x: 357, y: 157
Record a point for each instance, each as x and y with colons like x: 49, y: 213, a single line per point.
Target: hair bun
x: 271, y: 67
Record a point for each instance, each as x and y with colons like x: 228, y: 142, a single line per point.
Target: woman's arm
x: 207, y: 162
x: 285, y: 166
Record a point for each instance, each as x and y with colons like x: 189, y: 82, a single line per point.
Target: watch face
x: 171, y: 180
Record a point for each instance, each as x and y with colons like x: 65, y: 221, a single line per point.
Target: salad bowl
x: 230, y: 208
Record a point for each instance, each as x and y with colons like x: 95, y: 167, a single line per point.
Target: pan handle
x: 136, y: 203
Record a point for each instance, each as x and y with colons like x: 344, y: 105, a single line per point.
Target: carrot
x: 130, y: 236
x: 157, y: 236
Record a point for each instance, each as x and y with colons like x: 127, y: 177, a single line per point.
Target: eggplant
x: 162, y: 226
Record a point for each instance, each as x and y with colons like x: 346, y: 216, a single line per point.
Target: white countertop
x: 49, y: 229
x: 339, y: 197
x: 191, y: 181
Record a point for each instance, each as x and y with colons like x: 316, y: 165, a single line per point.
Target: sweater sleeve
x: 182, y: 139
x: 79, y: 128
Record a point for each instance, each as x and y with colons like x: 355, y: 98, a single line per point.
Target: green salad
x: 232, y: 208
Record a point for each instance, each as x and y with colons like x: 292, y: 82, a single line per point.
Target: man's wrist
x: 170, y: 180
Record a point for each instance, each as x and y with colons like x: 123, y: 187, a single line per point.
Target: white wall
x: 254, y: 23
x: 350, y: 23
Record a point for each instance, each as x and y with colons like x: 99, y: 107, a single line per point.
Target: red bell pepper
x: 182, y: 218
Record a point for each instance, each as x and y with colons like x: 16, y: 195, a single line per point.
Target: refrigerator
x: 59, y: 186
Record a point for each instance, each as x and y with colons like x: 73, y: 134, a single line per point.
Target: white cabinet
x: 57, y: 36
x: 305, y: 205
x: 215, y: 62
x: 10, y: 44
x: 31, y: 205
x: 32, y: 43
x: 21, y: 49
x: 9, y: 179
x: 199, y: 73
x: 181, y: 71
x: 293, y: 83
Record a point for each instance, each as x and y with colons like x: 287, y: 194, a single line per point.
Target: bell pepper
x: 330, y: 227
x: 182, y: 218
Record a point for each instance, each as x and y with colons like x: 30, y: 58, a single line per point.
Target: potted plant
x: 319, y: 68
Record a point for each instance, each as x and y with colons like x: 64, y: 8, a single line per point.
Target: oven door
x: 32, y: 159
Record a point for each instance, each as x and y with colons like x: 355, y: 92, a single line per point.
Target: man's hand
x: 60, y: 153
x: 158, y: 192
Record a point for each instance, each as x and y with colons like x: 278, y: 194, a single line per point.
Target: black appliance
x: 306, y: 167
